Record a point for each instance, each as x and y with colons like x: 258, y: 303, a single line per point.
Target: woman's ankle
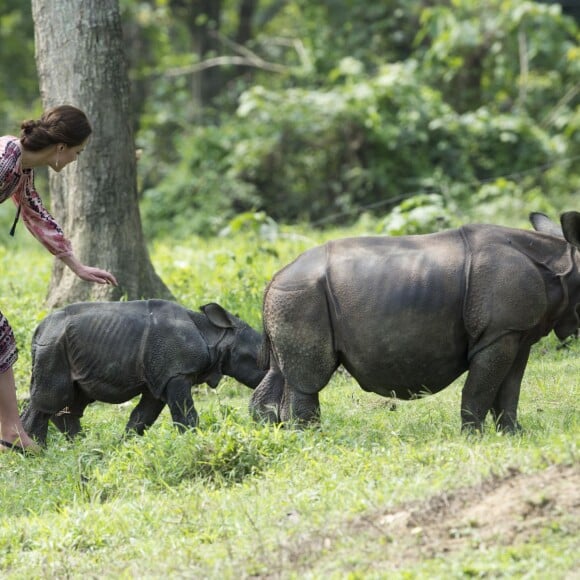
x: 16, y: 436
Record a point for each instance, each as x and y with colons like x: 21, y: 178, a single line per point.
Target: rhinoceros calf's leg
x: 68, y: 420
x: 35, y: 423
x: 180, y: 402
x: 489, y: 369
x: 145, y: 413
x: 67, y: 423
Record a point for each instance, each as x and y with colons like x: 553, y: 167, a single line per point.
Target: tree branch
x: 246, y: 57
x: 224, y: 61
x: 551, y: 116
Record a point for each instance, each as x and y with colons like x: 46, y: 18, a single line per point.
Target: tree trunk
x: 81, y: 62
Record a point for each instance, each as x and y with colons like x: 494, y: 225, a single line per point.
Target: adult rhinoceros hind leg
x: 301, y: 332
x: 275, y: 401
x: 267, y: 400
x: 301, y: 408
x: 145, y: 413
x: 496, y: 365
x: 180, y: 402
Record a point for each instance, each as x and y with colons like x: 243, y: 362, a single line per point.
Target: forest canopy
x: 412, y: 114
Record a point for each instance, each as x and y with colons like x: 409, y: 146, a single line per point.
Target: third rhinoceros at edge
x: 408, y: 315
x: 114, y: 351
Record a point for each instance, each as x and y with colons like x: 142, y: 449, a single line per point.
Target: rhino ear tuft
x: 571, y: 227
x: 217, y: 315
x: 542, y: 223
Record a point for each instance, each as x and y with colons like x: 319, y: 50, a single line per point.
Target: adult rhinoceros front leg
x: 505, y: 405
x: 180, y: 402
x: 494, y: 371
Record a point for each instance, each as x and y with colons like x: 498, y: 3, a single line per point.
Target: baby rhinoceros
x: 114, y: 351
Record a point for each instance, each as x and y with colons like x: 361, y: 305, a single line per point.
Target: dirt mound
x: 502, y: 511
x: 506, y: 510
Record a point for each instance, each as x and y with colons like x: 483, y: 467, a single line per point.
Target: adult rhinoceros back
x: 408, y: 315
x: 338, y: 293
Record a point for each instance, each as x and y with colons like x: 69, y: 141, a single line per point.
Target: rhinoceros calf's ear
x: 217, y: 315
x: 571, y: 227
x: 542, y: 223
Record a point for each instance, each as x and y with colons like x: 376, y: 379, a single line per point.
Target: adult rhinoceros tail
x: 263, y: 360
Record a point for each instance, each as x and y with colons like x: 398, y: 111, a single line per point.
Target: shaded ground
x: 502, y: 511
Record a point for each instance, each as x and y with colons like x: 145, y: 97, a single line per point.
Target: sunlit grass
x: 234, y: 498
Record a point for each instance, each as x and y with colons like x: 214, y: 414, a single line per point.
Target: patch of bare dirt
x: 502, y: 511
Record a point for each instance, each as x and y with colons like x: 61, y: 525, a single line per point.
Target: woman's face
x: 63, y: 155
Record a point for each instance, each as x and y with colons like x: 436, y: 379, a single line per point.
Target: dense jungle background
x: 411, y: 114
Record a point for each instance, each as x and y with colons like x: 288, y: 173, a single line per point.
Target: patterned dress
x: 18, y: 183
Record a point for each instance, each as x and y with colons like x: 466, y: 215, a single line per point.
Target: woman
x: 55, y: 140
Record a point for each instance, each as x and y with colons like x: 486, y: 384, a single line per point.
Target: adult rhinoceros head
x: 569, y: 229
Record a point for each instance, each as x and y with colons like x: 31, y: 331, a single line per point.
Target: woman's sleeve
x: 40, y: 223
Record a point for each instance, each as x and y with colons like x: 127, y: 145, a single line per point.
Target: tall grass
x: 239, y: 499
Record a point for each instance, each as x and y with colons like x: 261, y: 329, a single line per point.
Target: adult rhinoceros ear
x: 217, y: 315
x: 542, y: 223
x: 571, y: 227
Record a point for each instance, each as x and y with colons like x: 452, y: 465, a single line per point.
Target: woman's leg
x: 11, y: 429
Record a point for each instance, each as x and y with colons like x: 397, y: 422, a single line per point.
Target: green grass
x: 238, y: 499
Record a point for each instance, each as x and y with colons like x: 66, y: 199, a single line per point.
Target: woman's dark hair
x: 63, y: 124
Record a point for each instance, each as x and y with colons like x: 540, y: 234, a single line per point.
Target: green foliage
x: 507, y: 54
x: 369, y: 104
x: 18, y: 81
x: 311, y: 152
x: 223, y: 452
x: 420, y: 214
x: 371, y: 133
x: 200, y: 194
x: 370, y: 32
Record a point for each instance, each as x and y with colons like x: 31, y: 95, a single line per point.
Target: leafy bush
x: 487, y: 92
x: 421, y: 214
x: 303, y: 155
x: 224, y: 452
x: 200, y: 193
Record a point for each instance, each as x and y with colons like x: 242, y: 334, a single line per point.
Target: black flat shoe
x: 12, y: 446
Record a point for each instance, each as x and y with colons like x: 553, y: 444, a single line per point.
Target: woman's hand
x: 97, y: 275
x: 89, y: 273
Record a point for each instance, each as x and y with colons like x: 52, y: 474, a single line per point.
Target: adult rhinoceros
x: 408, y: 315
x: 114, y: 351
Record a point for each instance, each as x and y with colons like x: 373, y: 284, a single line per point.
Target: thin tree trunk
x: 81, y: 61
